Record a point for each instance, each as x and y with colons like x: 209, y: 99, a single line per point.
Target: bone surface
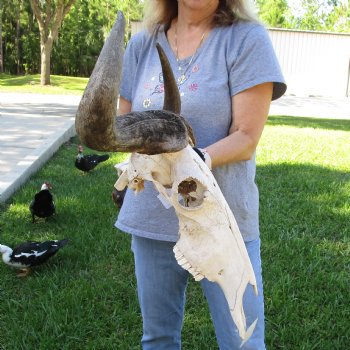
x: 210, y: 244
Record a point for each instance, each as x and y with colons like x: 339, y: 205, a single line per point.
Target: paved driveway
x: 32, y: 128
x: 318, y: 107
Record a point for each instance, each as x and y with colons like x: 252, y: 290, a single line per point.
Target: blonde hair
x: 159, y: 12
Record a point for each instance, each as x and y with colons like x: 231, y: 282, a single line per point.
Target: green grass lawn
x: 85, y: 297
x: 60, y: 85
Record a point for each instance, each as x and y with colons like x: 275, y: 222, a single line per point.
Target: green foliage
x: 321, y: 15
x: 273, y: 12
x: 88, y: 23
x: 339, y: 19
x: 20, y: 37
x: 84, y: 32
x: 84, y: 298
x: 80, y: 40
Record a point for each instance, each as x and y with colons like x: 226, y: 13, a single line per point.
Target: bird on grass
x: 88, y: 162
x: 29, y: 254
x: 43, y: 204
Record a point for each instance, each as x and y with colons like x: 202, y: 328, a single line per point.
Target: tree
x: 339, y: 18
x: 325, y: 15
x: 274, y: 13
x: 313, y: 16
x: 1, y: 52
x: 49, y: 15
x: 17, y: 41
x: 78, y: 42
x: 84, y: 31
x: 11, y: 27
x: 106, y: 11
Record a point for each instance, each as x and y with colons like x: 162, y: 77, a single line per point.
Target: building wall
x: 313, y: 63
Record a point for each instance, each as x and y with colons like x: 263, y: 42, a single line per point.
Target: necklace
x: 181, y: 79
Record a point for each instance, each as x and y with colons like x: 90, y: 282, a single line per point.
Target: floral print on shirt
x: 158, y: 87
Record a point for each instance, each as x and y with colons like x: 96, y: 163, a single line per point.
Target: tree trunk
x: 49, y: 19
x: 46, y: 49
x: 1, y: 52
x: 18, y: 29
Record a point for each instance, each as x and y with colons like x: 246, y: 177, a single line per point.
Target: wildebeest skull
x: 210, y: 244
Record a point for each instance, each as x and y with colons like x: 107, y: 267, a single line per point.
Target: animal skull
x: 210, y: 244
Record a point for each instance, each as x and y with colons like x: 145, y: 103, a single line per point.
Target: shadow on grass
x: 304, y: 122
x: 304, y: 199
x: 305, y: 215
x: 75, y: 84
x: 21, y: 80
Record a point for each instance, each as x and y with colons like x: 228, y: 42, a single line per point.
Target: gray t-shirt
x: 230, y: 60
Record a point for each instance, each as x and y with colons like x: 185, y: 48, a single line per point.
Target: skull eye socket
x: 191, y: 192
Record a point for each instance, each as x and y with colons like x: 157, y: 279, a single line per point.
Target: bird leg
x: 24, y: 272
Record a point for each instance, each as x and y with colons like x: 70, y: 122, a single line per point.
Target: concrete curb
x: 35, y: 160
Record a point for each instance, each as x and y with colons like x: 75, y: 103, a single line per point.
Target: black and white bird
x: 29, y: 254
x: 43, y: 204
x: 90, y: 161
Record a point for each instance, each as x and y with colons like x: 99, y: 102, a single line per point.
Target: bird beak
x: 97, y: 124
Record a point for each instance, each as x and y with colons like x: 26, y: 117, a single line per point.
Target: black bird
x: 43, y: 205
x: 88, y: 162
x: 29, y: 254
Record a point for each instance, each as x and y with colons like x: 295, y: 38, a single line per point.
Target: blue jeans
x: 161, y: 286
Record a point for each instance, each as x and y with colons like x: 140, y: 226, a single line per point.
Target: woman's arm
x: 250, y: 110
x: 124, y: 106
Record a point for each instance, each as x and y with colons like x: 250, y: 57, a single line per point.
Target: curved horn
x: 150, y: 132
x: 94, y: 120
x: 172, y: 101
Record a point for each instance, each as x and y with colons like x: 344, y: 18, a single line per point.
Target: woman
x: 227, y: 74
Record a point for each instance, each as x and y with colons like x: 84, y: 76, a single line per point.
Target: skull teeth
x: 182, y: 261
x: 198, y: 277
x: 186, y: 266
x: 178, y: 254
